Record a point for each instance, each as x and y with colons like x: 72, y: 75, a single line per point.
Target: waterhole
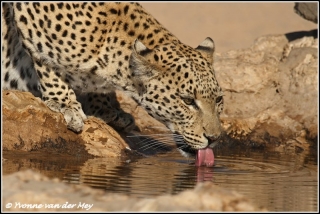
x: 276, y: 181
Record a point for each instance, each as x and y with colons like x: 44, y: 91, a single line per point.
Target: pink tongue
x: 205, y: 157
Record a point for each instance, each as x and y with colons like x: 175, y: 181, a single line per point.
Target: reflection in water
x: 204, y: 174
x: 276, y: 181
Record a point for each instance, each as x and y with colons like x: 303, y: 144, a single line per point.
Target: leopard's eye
x: 188, y: 101
x: 218, y: 99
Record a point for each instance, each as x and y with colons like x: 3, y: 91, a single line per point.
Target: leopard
x: 62, y: 51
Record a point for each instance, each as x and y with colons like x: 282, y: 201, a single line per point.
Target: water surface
x: 276, y: 181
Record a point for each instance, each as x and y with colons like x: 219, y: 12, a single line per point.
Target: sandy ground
x: 231, y: 25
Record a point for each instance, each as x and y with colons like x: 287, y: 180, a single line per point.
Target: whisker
x: 158, y: 137
x: 164, y: 138
x: 148, y: 140
x: 158, y: 140
x: 153, y: 145
x: 165, y: 142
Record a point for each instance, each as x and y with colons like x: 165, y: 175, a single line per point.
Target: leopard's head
x: 177, y: 86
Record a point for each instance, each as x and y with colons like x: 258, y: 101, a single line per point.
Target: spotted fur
x: 60, y: 51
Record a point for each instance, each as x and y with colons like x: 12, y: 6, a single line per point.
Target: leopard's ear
x: 141, y: 69
x: 207, y: 48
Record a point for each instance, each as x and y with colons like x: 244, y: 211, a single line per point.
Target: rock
x: 101, y: 140
x: 268, y: 88
x: 308, y: 11
x: 29, y: 125
x: 29, y: 188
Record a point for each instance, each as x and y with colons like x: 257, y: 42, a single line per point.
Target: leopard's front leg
x: 59, y: 97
